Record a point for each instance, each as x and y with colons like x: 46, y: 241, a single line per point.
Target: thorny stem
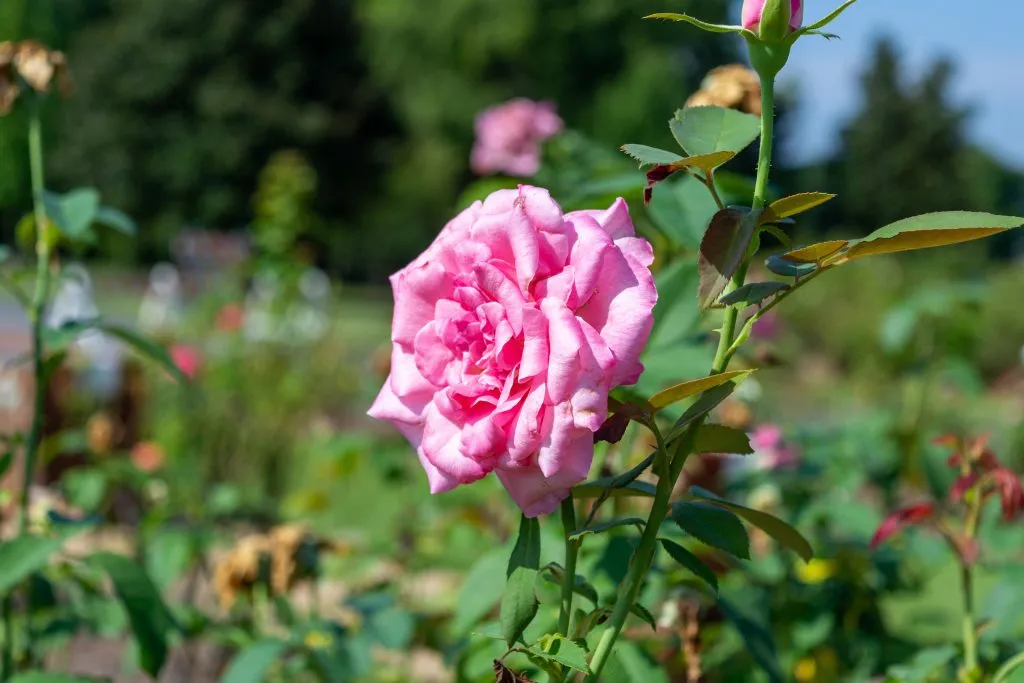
x: 970, y: 630
x: 35, y: 315
x: 671, y: 463
x: 572, y: 548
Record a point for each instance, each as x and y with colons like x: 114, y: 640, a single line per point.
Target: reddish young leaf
x: 613, y: 429
x: 961, y: 486
x: 503, y: 674
x: 1011, y: 494
x: 895, y: 522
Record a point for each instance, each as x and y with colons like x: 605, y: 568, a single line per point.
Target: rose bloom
x: 752, y: 10
x: 772, y: 452
x: 508, y: 137
x: 508, y: 333
x: 187, y: 358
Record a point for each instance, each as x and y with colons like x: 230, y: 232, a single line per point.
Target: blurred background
x: 282, y: 158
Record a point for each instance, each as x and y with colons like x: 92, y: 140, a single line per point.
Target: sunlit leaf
x: 73, y: 212
x: 701, y: 407
x: 706, y: 130
x: 832, y: 16
x: 624, y: 484
x: 693, y: 387
x: 690, y: 562
x: 713, y: 28
x: 932, y: 230
x: 116, y: 219
x: 562, y: 651
x: 815, y: 253
x: 650, y: 156
x: 795, y: 204
x: 787, y: 536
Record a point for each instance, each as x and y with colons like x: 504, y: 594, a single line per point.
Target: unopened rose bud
x: 773, y: 19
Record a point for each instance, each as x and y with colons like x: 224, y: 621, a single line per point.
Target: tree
x: 906, y: 151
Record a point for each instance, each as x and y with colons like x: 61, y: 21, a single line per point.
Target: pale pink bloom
x: 752, y: 10
x: 187, y: 358
x: 508, y: 333
x: 770, y: 450
x: 508, y: 137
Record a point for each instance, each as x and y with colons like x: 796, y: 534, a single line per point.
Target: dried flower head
x: 240, y: 570
x: 733, y: 86
x: 35, y: 64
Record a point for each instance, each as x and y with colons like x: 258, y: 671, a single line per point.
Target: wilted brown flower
x: 241, y: 569
x: 733, y: 86
x: 99, y: 432
x: 33, y: 63
x: 281, y: 558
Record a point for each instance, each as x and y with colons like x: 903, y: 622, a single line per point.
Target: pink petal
x: 565, y: 339
x: 568, y: 449
x: 534, y: 493
x: 417, y: 290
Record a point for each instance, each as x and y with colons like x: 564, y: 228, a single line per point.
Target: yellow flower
x: 805, y: 669
x: 816, y: 571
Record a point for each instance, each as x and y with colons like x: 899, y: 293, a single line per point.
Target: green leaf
x: 795, y: 204
x: 701, y: 407
x: 23, y: 556
x: 44, y: 677
x: 554, y: 573
x: 252, y: 664
x: 645, y: 615
x: 722, y: 250
x: 685, y: 390
x: 786, y: 535
x: 526, y: 552
x: 116, y: 219
x: 713, y: 526
x: 1011, y: 665
x: 753, y: 293
x: 816, y: 26
x: 630, y: 664
x: 705, y: 162
x: 606, y: 525
x: 61, y: 337
x: 624, y: 484
x: 758, y: 639
x: 722, y: 439
x: 681, y: 208
x: 650, y: 156
x: 606, y: 485
x: 562, y: 651
x: 5, y: 462
x: 780, y: 266
x: 925, y: 666
x: 480, y: 591
x: 150, y: 620
x: 932, y: 230
x: 591, y: 620
x: 705, y: 130
x: 815, y: 253
x: 713, y: 28
x: 74, y: 212
x: 518, y: 604
x: 690, y: 562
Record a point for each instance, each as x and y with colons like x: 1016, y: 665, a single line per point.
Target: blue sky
x: 984, y: 37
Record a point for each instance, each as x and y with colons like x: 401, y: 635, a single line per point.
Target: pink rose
x: 772, y: 453
x: 508, y: 137
x: 187, y: 358
x: 508, y: 333
x: 752, y: 10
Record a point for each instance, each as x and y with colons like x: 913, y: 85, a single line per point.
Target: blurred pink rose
x: 187, y: 358
x: 752, y: 10
x: 770, y: 450
x: 766, y: 327
x: 508, y: 333
x: 508, y: 137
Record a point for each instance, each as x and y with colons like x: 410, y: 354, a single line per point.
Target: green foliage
x: 690, y: 562
x: 252, y: 664
x: 713, y: 526
x: 707, y: 130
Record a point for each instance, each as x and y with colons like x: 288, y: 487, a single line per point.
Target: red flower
x: 904, y: 517
x: 1011, y: 495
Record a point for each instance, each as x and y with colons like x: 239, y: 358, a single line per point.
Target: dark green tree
x: 905, y: 152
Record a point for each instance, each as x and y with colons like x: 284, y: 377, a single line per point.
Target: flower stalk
x: 672, y: 458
